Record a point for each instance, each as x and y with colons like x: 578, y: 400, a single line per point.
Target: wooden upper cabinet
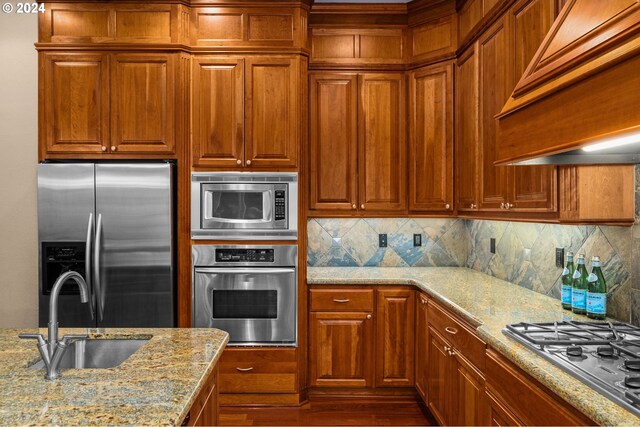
x: 467, y: 130
x: 533, y: 188
x: 218, y: 112
x: 495, y: 72
x: 75, y: 102
x: 334, y: 141
x: 272, y: 113
x: 431, y: 139
x: 142, y: 103
x: 395, y: 323
x: 381, y: 135
x: 341, y: 349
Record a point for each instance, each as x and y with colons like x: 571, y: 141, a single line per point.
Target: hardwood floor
x: 344, y: 412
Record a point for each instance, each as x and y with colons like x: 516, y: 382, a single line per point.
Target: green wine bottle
x: 596, y: 292
x: 567, y: 278
x: 579, y: 287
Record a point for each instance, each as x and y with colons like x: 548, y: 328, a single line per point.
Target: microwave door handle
x: 87, y: 264
x: 244, y: 270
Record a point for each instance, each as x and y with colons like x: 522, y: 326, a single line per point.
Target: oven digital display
x: 244, y: 304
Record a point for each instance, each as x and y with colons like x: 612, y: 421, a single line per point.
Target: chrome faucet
x: 52, y: 349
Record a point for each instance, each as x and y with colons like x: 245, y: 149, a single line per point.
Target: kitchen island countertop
x: 490, y: 304
x: 155, y: 386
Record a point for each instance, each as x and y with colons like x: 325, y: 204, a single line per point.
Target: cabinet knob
x: 509, y: 205
x: 368, y: 316
x: 238, y: 162
x: 104, y: 148
x: 446, y: 349
x: 423, y: 301
x: 447, y: 206
x: 362, y: 206
x: 248, y: 162
x: 502, y: 206
x: 473, y: 206
x: 114, y: 148
x: 353, y: 206
x: 451, y: 353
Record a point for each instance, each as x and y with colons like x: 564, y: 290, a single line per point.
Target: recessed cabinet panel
x: 381, y: 137
x: 272, y: 110
x: 494, y: 91
x: 431, y: 139
x: 142, y: 97
x: 467, y: 130
x: 334, y: 141
x: 218, y: 112
x: 76, y: 102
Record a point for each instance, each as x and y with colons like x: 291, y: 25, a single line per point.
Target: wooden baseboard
x: 396, y: 393
x: 255, y: 399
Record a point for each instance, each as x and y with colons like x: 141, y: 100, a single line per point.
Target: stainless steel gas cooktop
x: 604, y: 355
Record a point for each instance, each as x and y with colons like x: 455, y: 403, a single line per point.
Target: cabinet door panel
x: 440, y: 372
x: 142, y: 103
x: 341, y: 350
x: 381, y: 135
x: 333, y: 156
x: 422, y: 347
x: 218, y: 112
x: 498, y: 414
x: 75, y: 102
x: 431, y: 139
x: 272, y: 112
x: 467, y: 130
x: 395, y: 323
x: 469, y: 394
x: 495, y: 83
x: 533, y: 187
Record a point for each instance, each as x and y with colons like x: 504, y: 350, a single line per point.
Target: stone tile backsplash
x: 525, y: 252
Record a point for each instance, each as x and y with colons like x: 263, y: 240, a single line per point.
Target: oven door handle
x: 244, y: 270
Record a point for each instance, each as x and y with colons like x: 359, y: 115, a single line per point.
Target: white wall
x: 18, y: 159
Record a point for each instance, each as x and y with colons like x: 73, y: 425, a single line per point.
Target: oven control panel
x: 244, y: 255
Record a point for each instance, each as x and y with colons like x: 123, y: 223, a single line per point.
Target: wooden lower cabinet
x: 357, y: 340
x: 341, y: 349
x: 498, y: 414
x: 204, y: 410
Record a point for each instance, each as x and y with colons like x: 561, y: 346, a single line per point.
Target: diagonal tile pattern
x: 525, y: 252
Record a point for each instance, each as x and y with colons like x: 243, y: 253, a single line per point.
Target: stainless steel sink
x: 96, y: 354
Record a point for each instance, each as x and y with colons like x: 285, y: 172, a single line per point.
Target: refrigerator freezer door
x: 66, y: 202
x: 134, y: 248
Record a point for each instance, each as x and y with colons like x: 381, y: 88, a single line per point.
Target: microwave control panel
x: 279, y: 198
x: 244, y: 255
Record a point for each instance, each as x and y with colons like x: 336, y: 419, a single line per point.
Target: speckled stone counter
x: 155, y: 386
x: 490, y: 304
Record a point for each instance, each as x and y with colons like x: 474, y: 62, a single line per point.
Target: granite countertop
x: 155, y: 386
x: 490, y: 304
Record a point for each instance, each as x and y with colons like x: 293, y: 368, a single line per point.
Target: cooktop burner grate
x: 572, y: 332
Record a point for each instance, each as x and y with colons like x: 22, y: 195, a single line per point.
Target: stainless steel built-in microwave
x: 244, y: 205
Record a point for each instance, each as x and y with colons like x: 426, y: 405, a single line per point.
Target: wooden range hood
x: 582, y: 86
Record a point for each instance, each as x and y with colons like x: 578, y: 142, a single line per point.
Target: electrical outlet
x: 382, y: 240
x: 492, y: 245
x: 560, y: 257
x: 417, y: 240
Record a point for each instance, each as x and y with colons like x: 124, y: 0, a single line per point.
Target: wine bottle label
x: 565, y: 272
x: 566, y: 294
x: 579, y: 298
x: 596, y: 303
x: 592, y: 278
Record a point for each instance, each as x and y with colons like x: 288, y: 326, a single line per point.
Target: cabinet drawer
x: 460, y: 335
x: 341, y: 300
x: 250, y: 370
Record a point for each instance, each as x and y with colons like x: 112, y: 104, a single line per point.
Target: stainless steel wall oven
x: 249, y: 291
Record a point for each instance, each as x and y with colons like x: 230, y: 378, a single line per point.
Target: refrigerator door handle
x: 96, y: 270
x: 87, y: 263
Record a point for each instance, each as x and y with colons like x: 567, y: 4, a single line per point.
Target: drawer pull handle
x: 451, y: 330
x: 341, y: 301
x: 245, y: 369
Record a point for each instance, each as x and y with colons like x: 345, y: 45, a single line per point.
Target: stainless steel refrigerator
x: 114, y: 223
